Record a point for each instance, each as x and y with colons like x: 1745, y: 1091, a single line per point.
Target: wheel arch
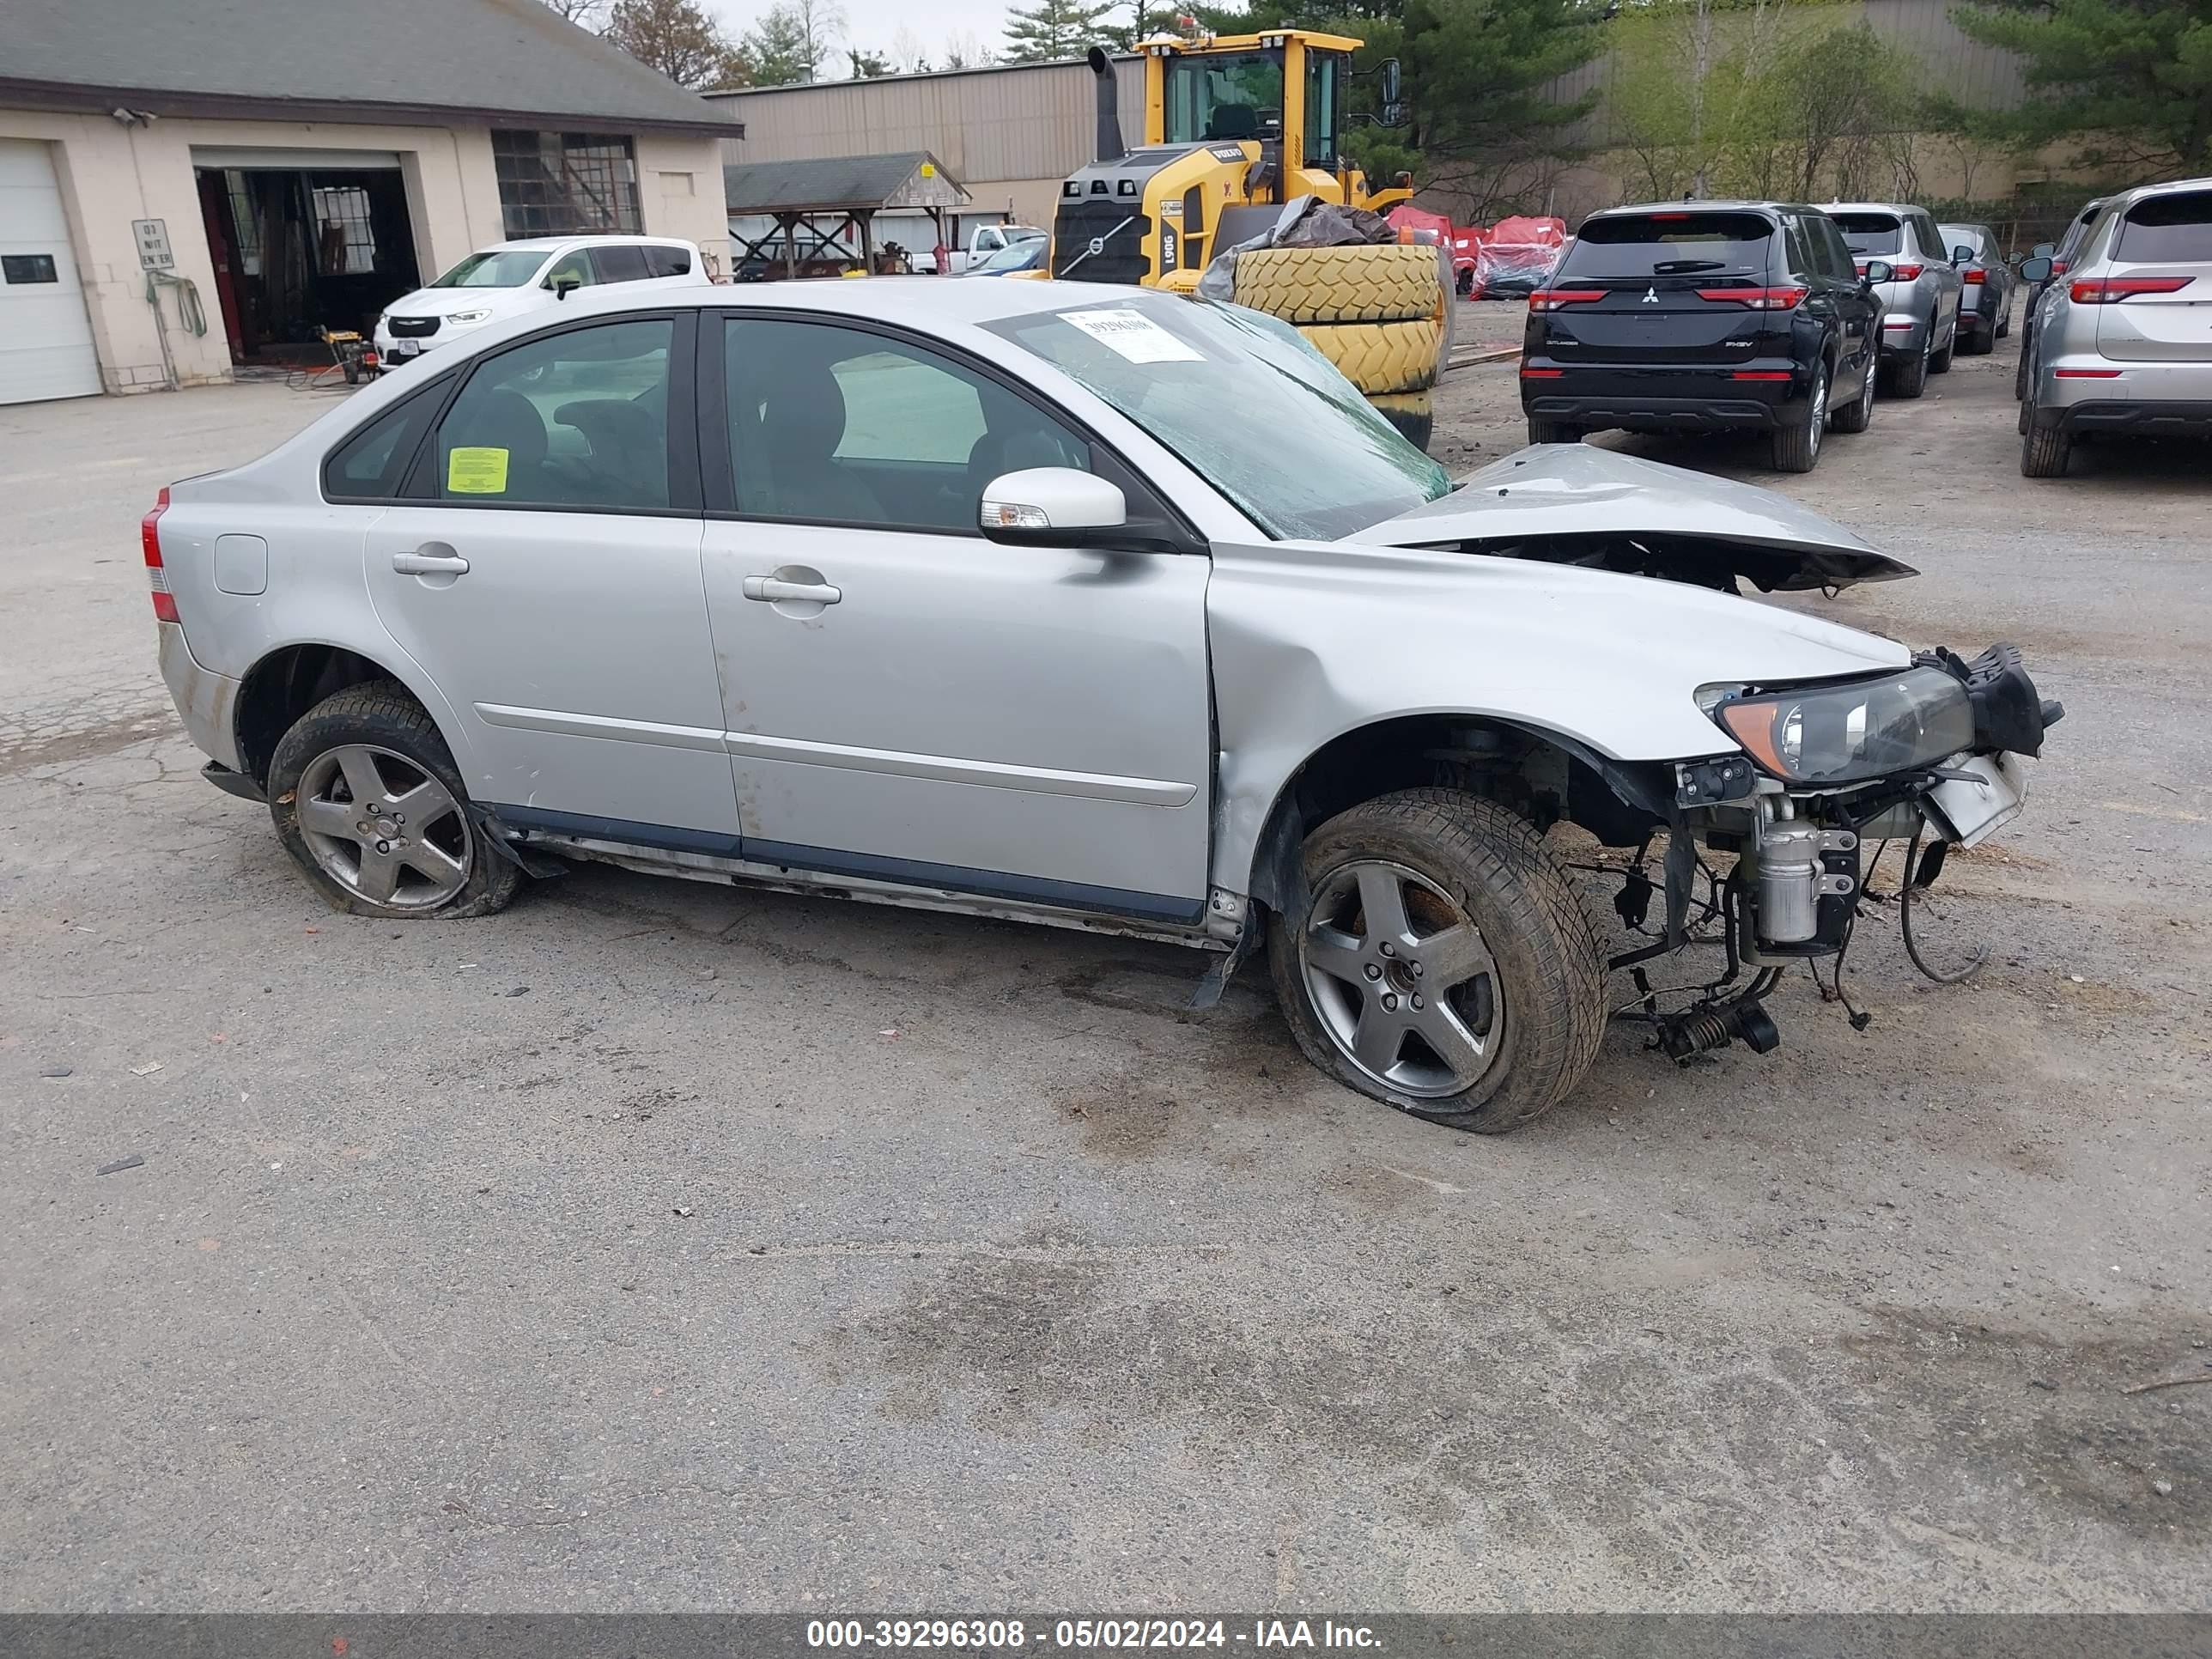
x: 1544, y: 776
x: 287, y: 680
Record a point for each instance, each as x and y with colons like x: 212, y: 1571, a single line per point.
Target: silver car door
x: 545, y: 574
x: 909, y: 701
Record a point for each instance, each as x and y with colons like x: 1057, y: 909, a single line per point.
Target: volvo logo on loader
x: 1098, y: 244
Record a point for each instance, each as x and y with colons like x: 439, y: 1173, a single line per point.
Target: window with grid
x: 555, y: 184
x: 345, y: 244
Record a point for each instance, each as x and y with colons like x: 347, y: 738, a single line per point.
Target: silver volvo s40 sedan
x: 1083, y: 606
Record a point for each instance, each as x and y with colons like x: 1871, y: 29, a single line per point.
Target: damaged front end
x: 1928, y: 756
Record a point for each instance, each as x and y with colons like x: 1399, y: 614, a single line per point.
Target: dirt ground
x: 661, y: 1246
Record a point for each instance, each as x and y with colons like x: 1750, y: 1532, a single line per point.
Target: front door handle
x: 774, y: 589
x: 421, y: 564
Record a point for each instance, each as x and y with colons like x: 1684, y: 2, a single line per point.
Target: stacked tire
x: 1380, y: 312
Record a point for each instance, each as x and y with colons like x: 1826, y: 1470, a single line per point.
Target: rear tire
x: 1910, y: 380
x: 1859, y: 415
x: 2044, y: 451
x: 371, y: 746
x: 2004, y: 321
x: 1553, y: 432
x: 1797, y: 448
x: 1461, y: 867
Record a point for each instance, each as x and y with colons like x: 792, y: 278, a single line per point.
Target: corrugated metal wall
x: 987, y: 126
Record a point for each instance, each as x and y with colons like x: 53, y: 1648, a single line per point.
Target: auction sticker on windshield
x: 477, y: 471
x: 1132, y: 335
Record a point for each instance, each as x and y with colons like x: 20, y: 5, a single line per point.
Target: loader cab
x: 1283, y: 92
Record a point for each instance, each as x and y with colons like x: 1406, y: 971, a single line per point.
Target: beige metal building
x: 185, y: 187
x: 1010, y: 133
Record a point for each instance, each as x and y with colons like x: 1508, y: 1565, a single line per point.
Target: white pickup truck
x: 983, y: 242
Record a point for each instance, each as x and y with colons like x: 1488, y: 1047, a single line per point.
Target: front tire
x: 1445, y: 965
x: 1859, y: 414
x: 1939, y: 362
x: 366, y: 798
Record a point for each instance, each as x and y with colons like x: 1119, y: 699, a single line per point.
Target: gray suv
x: 1920, y: 303
x: 2123, y: 340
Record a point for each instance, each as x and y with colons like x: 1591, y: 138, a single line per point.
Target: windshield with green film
x: 1245, y: 402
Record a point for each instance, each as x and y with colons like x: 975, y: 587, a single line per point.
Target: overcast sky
x: 874, y: 25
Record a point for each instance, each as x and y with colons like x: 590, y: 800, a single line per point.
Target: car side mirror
x: 1962, y: 255
x: 1051, y: 506
x: 1878, y: 271
x: 2043, y: 250
x: 564, y: 286
x: 2037, y: 269
x: 1392, y: 78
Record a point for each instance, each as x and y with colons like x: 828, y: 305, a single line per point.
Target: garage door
x: 45, y: 338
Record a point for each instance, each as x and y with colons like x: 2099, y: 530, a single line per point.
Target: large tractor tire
x: 1370, y: 283
x: 1381, y: 358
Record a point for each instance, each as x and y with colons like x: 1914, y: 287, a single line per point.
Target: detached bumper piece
x: 234, y: 783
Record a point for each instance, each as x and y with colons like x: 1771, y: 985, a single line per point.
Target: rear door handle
x: 429, y: 564
x: 771, y: 590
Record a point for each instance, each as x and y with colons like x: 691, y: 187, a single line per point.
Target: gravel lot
x: 663, y: 1246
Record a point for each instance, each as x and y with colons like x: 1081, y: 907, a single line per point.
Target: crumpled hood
x: 1586, y: 496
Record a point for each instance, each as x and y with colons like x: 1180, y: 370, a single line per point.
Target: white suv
x: 509, y: 278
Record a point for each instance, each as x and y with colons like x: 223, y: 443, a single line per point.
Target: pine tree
x: 2132, y: 78
x: 1052, y: 30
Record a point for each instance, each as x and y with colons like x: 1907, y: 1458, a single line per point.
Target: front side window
x: 1245, y: 402
x: 509, y: 268
x: 554, y: 183
x: 828, y: 423
x: 1225, y: 95
x: 1969, y: 236
x: 578, y: 419
x: 574, y: 266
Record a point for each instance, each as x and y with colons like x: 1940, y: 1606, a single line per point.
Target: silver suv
x: 1920, y: 302
x: 2123, y: 341
x: 1090, y: 606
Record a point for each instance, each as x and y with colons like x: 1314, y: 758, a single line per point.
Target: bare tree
x: 678, y: 39
x: 584, y: 14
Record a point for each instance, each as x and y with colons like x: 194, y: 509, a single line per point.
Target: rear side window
x: 663, y: 261
x: 577, y: 419
x: 1964, y: 236
x: 2177, y: 227
x: 1667, y: 244
x: 1871, y: 234
x: 1931, y: 239
x: 370, y: 465
x: 619, y: 264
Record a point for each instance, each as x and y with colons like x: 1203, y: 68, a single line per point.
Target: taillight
x: 1975, y: 278
x: 149, y: 538
x: 1907, y: 273
x: 1755, y: 299
x: 2110, y: 290
x: 1551, y: 299
x: 1760, y: 374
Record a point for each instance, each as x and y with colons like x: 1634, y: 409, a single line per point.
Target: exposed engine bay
x: 1863, y: 770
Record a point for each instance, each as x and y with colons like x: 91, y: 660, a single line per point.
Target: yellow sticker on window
x: 476, y: 472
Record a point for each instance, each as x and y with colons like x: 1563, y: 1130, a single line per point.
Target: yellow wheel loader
x: 1236, y: 127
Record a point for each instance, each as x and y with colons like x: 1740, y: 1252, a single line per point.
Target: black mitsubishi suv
x: 1704, y: 316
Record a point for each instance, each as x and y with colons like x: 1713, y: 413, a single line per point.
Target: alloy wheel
x: 1401, y: 979
x: 383, y: 828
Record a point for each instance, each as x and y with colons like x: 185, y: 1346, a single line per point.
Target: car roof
x: 2128, y: 199
x: 1869, y: 207
x: 922, y: 302
x: 547, y: 244
x: 1700, y: 205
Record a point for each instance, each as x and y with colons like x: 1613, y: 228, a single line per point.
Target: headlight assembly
x: 468, y: 316
x: 1846, y: 734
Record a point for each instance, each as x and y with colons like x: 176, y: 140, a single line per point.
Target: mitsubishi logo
x: 1650, y: 296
